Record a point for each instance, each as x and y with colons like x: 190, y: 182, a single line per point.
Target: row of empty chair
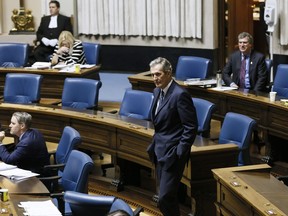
x: 70, y: 172
x: 81, y: 93
x: 236, y: 128
x: 16, y: 54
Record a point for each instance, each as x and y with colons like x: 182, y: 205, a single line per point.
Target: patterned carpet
x: 134, y: 196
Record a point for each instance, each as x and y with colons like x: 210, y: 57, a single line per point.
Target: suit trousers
x: 169, y: 181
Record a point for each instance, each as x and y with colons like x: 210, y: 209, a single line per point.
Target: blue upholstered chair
x: 81, y: 93
x: 204, y: 111
x: 92, y: 52
x: 69, y: 141
x: 22, y: 88
x: 74, y: 178
x: 136, y: 104
x: 192, y: 67
x: 90, y: 205
x: 13, y: 54
x: 238, y: 129
x: 281, y: 80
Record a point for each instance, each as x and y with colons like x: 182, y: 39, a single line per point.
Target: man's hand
x: 2, y: 136
x: 45, y: 41
x: 53, y: 42
x: 233, y: 85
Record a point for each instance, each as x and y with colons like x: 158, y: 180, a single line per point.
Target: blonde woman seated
x: 68, y: 50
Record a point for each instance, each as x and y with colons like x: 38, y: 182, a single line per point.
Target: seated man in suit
x: 49, y: 31
x: 30, y: 152
x: 248, y: 67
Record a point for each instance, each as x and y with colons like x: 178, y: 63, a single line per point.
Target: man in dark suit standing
x: 49, y: 31
x: 248, y: 67
x: 174, y: 117
x: 30, y: 152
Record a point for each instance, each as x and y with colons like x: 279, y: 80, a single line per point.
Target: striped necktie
x: 243, y: 72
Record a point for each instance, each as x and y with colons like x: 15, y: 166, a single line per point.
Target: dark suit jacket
x: 258, y: 73
x: 63, y: 23
x: 175, y: 127
x: 30, y: 153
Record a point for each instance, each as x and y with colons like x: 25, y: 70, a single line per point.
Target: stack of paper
x: 41, y: 65
x: 199, y: 82
x: 40, y: 208
x: 14, y: 173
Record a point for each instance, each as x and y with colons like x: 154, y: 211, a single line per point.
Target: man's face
x: 54, y: 10
x: 244, y: 45
x: 160, y: 78
x: 15, y: 127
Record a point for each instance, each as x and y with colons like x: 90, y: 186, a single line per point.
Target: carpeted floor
x: 134, y: 196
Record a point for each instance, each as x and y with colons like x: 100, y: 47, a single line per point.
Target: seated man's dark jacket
x: 258, y: 74
x: 30, y: 153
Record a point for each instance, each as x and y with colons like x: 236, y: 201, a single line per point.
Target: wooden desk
x: 30, y: 186
x: 126, y: 138
x: 53, y: 80
x: 271, y: 117
x: 257, y: 192
x: 25, y: 190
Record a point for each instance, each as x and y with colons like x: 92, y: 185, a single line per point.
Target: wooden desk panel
x: 257, y: 193
x: 27, y: 186
x: 128, y: 138
x: 53, y: 80
x: 271, y: 117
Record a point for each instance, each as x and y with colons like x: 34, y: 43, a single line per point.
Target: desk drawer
x: 234, y: 204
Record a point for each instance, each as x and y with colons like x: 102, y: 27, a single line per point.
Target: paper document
x: 200, y: 82
x: 224, y: 88
x: 17, y: 173
x: 60, y: 66
x: 87, y: 66
x: 4, y: 166
x: 41, y: 65
x: 40, y: 208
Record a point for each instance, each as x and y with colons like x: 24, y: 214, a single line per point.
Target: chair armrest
x: 50, y: 182
x: 113, y: 111
x: 60, y: 201
x: 52, y: 170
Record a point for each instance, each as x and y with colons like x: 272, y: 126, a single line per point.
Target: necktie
x: 161, y: 97
x: 243, y: 72
x: 160, y: 100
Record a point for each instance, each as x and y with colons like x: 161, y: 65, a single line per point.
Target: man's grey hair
x: 166, y: 65
x: 23, y: 118
x: 246, y: 34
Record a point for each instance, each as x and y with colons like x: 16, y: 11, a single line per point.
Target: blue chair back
x: 238, y: 129
x: 13, y: 54
x: 204, y: 111
x: 76, y: 172
x: 136, y: 104
x: 281, y: 80
x: 22, y: 88
x: 69, y: 141
x: 81, y: 93
x: 88, y: 205
x: 192, y: 67
x: 92, y: 52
